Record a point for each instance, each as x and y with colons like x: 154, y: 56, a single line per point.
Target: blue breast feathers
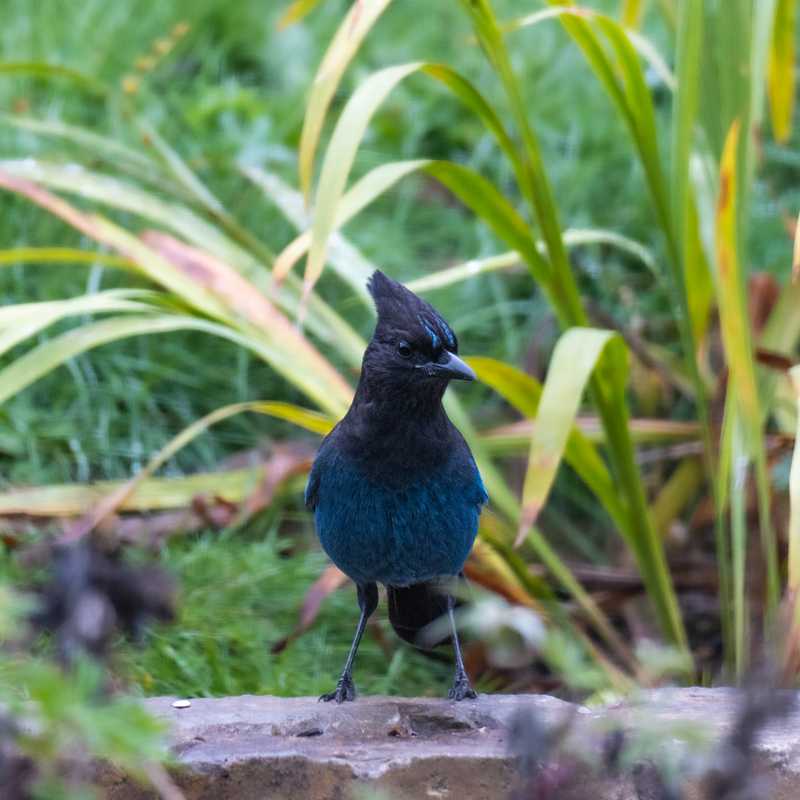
x: 396, y: 536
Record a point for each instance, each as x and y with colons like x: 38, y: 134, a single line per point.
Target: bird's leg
x: 345, y: 688
x: 461, y: 689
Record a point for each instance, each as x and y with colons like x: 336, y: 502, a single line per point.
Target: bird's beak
x: 453, y: 369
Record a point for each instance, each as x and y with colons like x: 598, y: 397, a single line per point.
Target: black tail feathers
x: 412, y: 608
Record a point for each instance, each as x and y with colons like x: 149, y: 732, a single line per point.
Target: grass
x: 239, y: 597
x: 244, y: 96
x: 234, y: 88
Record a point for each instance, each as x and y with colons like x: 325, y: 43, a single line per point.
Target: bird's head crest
x: 401, y: 311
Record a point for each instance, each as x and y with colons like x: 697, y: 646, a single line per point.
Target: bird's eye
x: 404, y: 349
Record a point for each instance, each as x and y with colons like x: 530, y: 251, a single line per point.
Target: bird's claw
x: 345, y: 691
x: 461, y: 690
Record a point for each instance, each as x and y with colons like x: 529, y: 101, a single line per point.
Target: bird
x: 394, y: 488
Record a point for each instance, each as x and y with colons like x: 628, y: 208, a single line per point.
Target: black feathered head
x: 401, y: 311
x: 412, y: 343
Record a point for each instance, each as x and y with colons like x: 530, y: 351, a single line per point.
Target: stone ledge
x: 252, y: 748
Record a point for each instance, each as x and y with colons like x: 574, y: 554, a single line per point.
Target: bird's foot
x: 345, y: 691
x: 461, y: 689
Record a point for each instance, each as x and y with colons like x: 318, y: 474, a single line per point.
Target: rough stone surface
x: 254, y: 748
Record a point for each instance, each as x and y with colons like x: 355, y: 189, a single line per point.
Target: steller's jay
x: 395, y: 491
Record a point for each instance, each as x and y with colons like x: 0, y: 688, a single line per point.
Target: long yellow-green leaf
x: 471, y: 188
x: 363, y: 192
x: 215, y: 289
x: 302, y: 417
x: 63, y: 255
x: 607, y: 390
x: 344, y: 257
x: 158, y: 270
x: 781, y: 78
x: 621, y: 74
x: 281, y: 343
x: 156, y: 494
x: 125, y: 196
x: 24, y: 320
x: 577, y: 356
x: 42, y: 69
x: 339, y: 158
x: 574, y: 359
x: 323, y: 322
x: 736, y: 338
x: 28, y: 368
x: 523, y: 392
x: 350, y: 128
x: 355, y: 26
